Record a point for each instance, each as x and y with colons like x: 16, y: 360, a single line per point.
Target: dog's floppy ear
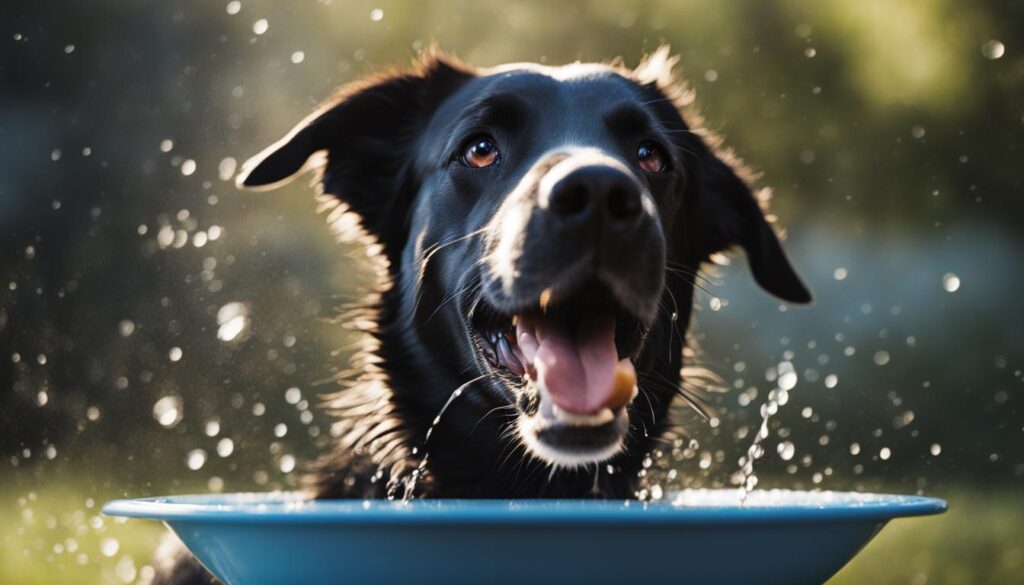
x: 367, y: 132
x: 723, y: 212
x: 729, y: 214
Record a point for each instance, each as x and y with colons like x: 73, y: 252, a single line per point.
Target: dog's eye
x: 480, y: 152
x: 650, y: 157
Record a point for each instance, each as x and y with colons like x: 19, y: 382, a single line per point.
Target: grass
x: 52, y: 535
x: 980, y: 540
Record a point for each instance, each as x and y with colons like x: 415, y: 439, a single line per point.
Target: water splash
x: 410, y: 482
x: 777, y: 398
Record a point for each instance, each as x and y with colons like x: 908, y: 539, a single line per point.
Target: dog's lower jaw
x: 559, y: 459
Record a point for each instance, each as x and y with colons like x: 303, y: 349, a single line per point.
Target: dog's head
x: 543, y: 226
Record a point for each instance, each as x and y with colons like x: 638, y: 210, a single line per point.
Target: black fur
x: 386, y: 142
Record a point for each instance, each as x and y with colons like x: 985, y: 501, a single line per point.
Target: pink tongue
x: 577, y: 368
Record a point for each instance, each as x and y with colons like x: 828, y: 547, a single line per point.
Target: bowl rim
x: 298, y: 508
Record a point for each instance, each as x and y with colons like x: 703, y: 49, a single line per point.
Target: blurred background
x: 161, y: 332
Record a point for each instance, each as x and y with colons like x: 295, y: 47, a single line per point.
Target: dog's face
x: 533, y: 217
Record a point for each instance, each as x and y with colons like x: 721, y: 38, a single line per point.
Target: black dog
x: 542, y: 228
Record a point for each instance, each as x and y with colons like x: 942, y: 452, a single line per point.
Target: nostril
x: 623, y: 203
x: 601, y: 195
x: 570, y: 200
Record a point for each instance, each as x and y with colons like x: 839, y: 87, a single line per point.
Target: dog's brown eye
x: 480, y: 152
x: 650, y: 157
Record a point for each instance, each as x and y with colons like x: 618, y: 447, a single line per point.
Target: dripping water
x: 410, y: 481
x: 776, y: 398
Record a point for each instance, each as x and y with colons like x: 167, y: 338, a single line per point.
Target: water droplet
x: 881, y: 357
x: 951, y: 282
x: 226, y: 168
x: 292, y: 395
x: 233, y: 7
x: 260, y: 26
x: 188, y: 167
x: 657, y: 492
x: 196, y: 459
x: 376, y: 15
x: 935, y: 449
x: 705, y: 460
x: 840, y: 273
x: 174, y: 354
x: 715, y: 303
x: 786, y: 450
x: 166, y: 145
x: 126, y: 327
x: 212, y: 428
x: 55, y: 155
x: 233, y: 321
x: 280, y: 430
x: 993, y: 49
x: 885, y: 453
x: 225, y: 447
x: 787, y: 381
x: 298, y: 57
x: 109, y: 546
x: 68, y: 49
x: 125, y: 569
x: 831, y: 380
x: 287, y: 464
x: 168, y: 411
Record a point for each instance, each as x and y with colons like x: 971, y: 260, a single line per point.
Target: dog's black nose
x: 597, y: 193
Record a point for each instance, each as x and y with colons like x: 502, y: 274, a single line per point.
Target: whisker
x: 428, y: 254
x: 694, y: 272
x: 691, y: 280
x: 466, y: 289
x: 489, y: 413
x: 675, y: 319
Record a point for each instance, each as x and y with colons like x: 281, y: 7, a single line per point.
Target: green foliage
x: 979, y: 540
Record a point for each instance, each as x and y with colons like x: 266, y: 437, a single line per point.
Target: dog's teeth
x: 508, y: 357
x: 603, y: 416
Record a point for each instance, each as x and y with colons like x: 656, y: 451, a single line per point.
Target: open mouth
x: 570, y: 363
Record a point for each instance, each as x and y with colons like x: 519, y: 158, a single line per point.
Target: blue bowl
x: 694, y: 536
